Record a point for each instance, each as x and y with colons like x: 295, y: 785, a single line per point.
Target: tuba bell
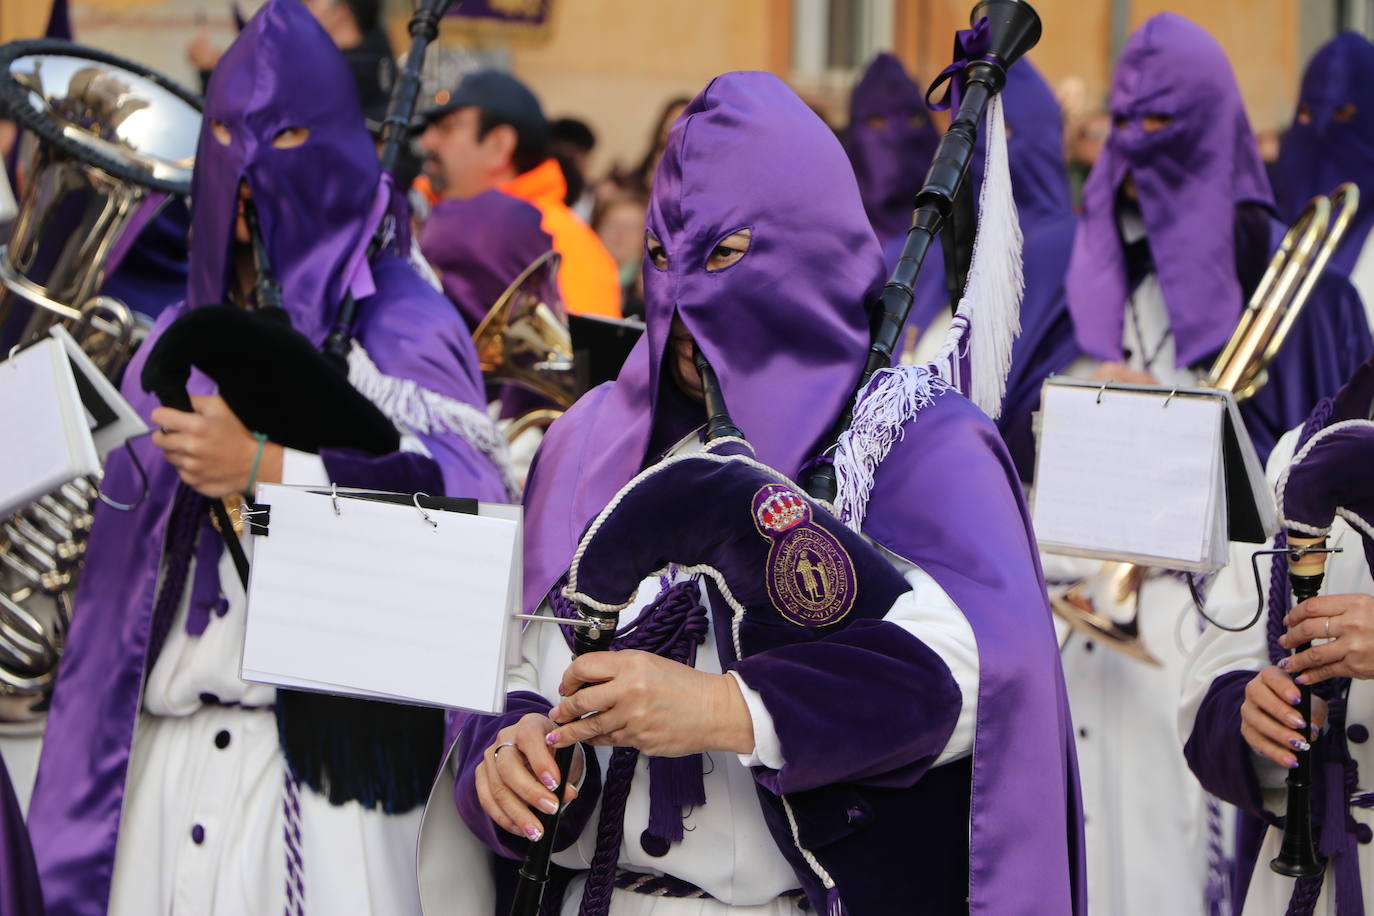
x: 1241, y: 369
x: 524, y: 341
x: 106, y: 144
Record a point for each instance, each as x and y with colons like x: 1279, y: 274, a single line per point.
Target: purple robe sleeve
x: 909, y: 707
x: 1216, y: 752
x: 399, y: 472
x: 476, y: 735
x: 19, y: 891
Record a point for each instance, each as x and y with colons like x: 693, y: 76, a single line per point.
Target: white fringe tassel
x: 889, y: 400
x: 425, y: 412
x: 984, y: 327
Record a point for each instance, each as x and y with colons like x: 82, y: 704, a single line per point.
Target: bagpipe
x: 279, y: 384
x: 1328, y: 478
x: 786, y: 566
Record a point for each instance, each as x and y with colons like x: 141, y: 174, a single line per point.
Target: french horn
x: 106, y: 144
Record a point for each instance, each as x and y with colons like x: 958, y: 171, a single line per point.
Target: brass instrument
x: 524, y: 341
x: 1241, y: 369
x: 106, y: 144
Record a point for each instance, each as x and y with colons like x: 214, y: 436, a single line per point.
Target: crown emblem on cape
x: 781, y: 510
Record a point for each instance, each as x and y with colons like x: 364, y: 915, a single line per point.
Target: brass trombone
x: 1242, y: 369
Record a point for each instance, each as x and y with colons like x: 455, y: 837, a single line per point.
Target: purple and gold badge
x: 810, y: 576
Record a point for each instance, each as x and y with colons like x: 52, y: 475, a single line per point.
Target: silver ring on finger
x: 499, y: 748
x: 1328, y: 627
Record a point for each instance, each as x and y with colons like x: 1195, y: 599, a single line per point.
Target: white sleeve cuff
x: 767, y: 750
x: 930, y: 615
x: 303, y: 469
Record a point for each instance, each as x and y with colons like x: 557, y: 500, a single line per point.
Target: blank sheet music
x: 376, y: 602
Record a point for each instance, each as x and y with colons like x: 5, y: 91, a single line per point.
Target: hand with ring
x: 518, y: 774
x: 1347, y: 621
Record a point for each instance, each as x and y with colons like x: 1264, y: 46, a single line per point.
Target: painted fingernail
x: 1295, y: 699
x: 1295, y: 721
x: 1283, y: 662
x: 534, y: 833
x: 550, y: 783
x: 1302, y: 679
x: 1298, y: 744
x: 1291, y: 763
x: 548, y: 805
x: 551, y: 739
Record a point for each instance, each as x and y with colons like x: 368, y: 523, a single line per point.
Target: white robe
x: 1148, y: 827
x: 1232, y: 601
x: 202, y: 829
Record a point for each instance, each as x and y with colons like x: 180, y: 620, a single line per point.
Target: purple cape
x: 479, y: 246
x: 19, y: 891
x: 1319, y: 151
x: 408, y: 329
x: 890, y: 142
x: 946, y: 498
x: 1202, y: 163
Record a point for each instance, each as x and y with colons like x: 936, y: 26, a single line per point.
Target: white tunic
x: 202, y: 829
x: 1146, y: 818
x: 727, y: 849
x: 1232, y: 601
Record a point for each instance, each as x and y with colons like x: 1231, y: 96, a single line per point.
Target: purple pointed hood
x: 1322, y: 149
x: 714, y: 179
x: 890, y: 142
x: 1190, y: 175
x: 319, y: 203
x: 479, y: 246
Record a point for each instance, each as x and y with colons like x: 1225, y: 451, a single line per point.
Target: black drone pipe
x: 1013, y: 29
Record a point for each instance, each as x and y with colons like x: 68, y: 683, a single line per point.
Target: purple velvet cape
x: 479, y: 246
x: 890, y: 142
x: 786, y: 330
x: 408, y: 329
x: 1189, y: 175
x: 20, y: 894
x: 1318, y: 155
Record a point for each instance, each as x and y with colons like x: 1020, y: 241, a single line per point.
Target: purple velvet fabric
x: 1319, y: 151
x: 318, y: 203
x: 1203, y: 163
x: 1333, y: 474
x: 20, y: 894
x: 890, y: 141
x: 479, y: 246
x: 408, y: 329
x: 787, y: 364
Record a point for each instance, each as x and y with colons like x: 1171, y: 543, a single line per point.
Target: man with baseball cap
x: 490, y: 132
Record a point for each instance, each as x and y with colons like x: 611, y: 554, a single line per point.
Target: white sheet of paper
x: 376, y: 602
x: 46, y: 442
x: 1121, y: 476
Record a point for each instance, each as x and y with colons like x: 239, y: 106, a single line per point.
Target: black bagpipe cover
x: 271, y: 376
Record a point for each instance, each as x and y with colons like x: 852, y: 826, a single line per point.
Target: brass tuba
x: 524, y: 340
x: 107, y: 143
x: 1241, y: 369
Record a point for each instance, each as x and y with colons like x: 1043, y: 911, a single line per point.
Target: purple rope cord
x: 672, y: 627
x: 183, y: 526
x: 291, y: 830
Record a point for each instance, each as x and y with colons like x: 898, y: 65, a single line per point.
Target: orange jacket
x: 587, y: 278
